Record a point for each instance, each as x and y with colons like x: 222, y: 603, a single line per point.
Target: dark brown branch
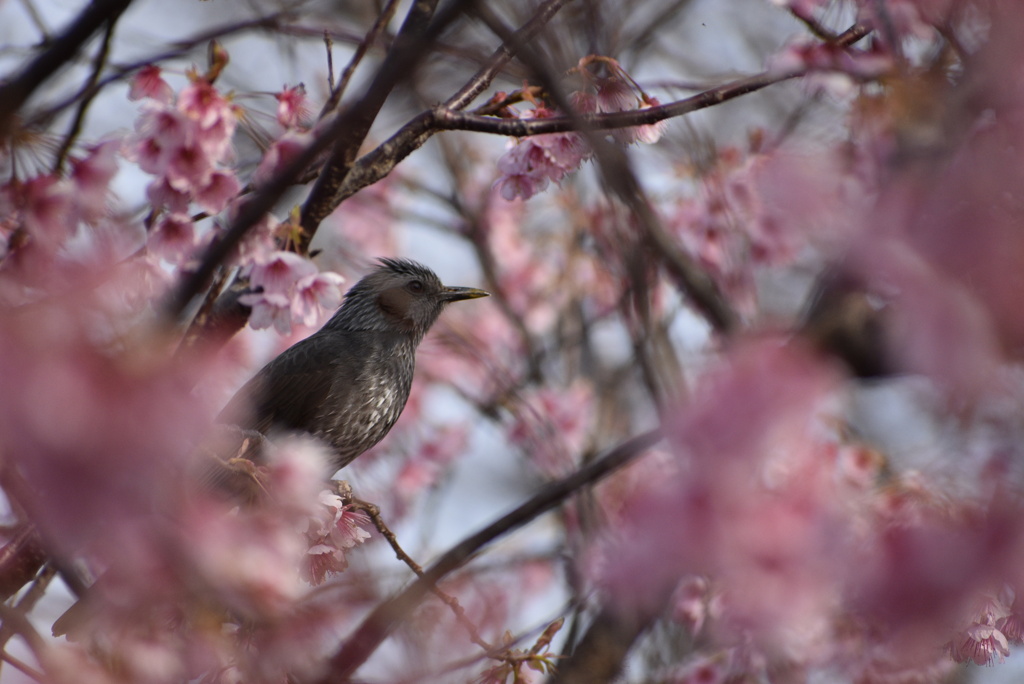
x: 378, y: 163
x: 415, y: 34
x: 503, y: 55
x: 20, y: 560
x: 16, y: 92
x: 383, y: 619
x: 600, y: 655
x: 90, y: 93
x: 618, y: 176
x: 378, y: 27
x: 452, y: 120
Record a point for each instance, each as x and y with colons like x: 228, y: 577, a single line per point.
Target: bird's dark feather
x: 289, y: 392
x: 348, y: 382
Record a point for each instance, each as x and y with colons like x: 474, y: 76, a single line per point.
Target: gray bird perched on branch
x: 348, y: 382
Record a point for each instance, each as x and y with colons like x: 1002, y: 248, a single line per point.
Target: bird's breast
x: 365, y: 412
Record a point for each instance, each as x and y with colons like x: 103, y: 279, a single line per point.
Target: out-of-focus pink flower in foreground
x: 772, y: 544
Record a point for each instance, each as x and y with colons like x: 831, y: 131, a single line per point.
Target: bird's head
x: 399, y: 296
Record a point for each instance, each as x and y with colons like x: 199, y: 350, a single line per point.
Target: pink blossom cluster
x: 530, y: 164
x: 551, y: 426
x: 41, y: 215
x: 732, y: 226
x: 430, y: 458
x: 332, y: 531
x: 290, y: 289
x: 763, y: 548
x: 987, y: 638
x: 187, y: 145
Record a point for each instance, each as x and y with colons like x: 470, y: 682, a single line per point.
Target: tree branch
x: 519, y: 128
x: 416, y: 32
x: 503, y: 55
x: 17, y: 90
x: 385, y: 617
x: 378, y: 163
x: 76, y: 126
x: 371, y: 37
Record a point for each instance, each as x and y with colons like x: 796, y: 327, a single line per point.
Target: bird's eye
x: 415, y: 286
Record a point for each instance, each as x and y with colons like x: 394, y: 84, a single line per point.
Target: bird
x: 347, y: 383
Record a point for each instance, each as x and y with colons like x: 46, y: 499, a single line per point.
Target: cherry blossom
x: 335, y: 529
x: 981, y: 644
x: 292, y: 107
x: 174, y: 237
x: 779, y: 530
x: 290, y: 289
x: 279, y: 155
x: 149, y: 83
x: 530, y: 164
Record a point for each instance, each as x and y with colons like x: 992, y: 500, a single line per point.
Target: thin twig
x: 503, y: 55
x: 386, y: 616
x: 21, y: 665
x: 417, y: 32
x: 816, y: 28
x: 90, y: 93
x: 329, y: 45
x: 37, y: 19
x: 383, y: 19
x: 27, y: 602
x: 16, y: 621
x: 618, y: 176
x: 373, y: 511
x: 380, y: 161
x: 16, y: 91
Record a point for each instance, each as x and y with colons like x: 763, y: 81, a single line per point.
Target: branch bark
x: 412, y: 38
x: 17, y: 91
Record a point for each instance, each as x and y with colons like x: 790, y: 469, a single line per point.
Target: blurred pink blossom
x: 428, y: 460
x: 91, y: 176
x: 279, y: 272
x: 315, y: 294
x: 269, y: 309
x: 279, y: 155
x: 149, y: 83
x: 814, y: 55
x: 186, y: 146
x: 173, y: 237
x: 220, y: 189
x: 292, y: 107
x: 772, y: 544
x: 552, y: 425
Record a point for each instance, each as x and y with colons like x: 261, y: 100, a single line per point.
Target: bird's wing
x: 289, y: 391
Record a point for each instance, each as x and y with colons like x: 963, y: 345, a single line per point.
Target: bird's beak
x: 454, y: 294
